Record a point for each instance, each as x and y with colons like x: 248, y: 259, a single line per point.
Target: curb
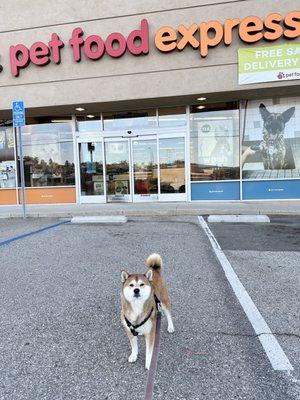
x: 94, y: 219
x: 258, y: 218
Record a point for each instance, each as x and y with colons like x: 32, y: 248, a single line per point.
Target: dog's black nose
x: 136, y: 291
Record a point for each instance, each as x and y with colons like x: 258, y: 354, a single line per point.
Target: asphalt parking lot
x: 60, y: 329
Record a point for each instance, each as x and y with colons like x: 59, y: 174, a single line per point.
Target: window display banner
x: 269, y: 63
x: 271, y: 140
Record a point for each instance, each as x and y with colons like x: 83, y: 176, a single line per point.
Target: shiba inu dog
x: 139, y: 295
x: 273, y: 147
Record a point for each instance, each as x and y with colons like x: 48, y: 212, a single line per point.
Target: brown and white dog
x: 138, y: 314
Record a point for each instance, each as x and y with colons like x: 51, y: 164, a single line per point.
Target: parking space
x: 13, y: 227
x: 266, y: 257
x: 60, y: 329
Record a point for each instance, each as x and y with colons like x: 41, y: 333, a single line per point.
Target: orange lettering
x: 272, y: 24
x: 229, y: 24
x: 187, y: 37
x: 250, y: 29
x: 207, y: 40
x: 165, y: 39
x: 292, y: 20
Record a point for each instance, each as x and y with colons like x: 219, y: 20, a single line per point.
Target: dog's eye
x: 142, y: 284
x: 131, y: 285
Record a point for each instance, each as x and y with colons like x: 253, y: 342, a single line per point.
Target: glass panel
x: 130, y: 120
x: 172, y: 116
x: 84, y: 124
x: 215, y: 145
x: 271, y: 141
x: 145, y: 166
x: 91, y: 169
x: 172, y: 165
x: 117, y: 169
x: 7, y: 158
x: 48, y: 155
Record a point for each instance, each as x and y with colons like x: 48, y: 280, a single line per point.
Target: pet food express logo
x: 200, y: 37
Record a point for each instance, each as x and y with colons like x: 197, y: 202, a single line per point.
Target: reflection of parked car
x: 167, y: 188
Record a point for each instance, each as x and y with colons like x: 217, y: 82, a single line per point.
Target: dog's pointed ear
x: 263, y: 111
x: 149, y: 275
x: 287, y: 114
x: 124, y: 276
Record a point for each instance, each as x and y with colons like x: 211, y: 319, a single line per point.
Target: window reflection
x: 172, y: 116
x: 130, y: 120
x: 145, y: 166
x: 172, y: 165
x: 91, y: 169
x: 117, y: 169
x: 48, y: 155
x: 84, y: 124
x: 214, y: 145
x: 7, y: 158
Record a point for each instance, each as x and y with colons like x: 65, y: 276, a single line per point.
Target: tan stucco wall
x: 128, y: 78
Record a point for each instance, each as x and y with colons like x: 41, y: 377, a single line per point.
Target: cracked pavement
x: 60, y: 332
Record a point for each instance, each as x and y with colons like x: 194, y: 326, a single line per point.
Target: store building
x: 153, y: 101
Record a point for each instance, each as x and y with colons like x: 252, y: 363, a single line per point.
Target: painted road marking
x: 274, y: 351
x: 24, y: 235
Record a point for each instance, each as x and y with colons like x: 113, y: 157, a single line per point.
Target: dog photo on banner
x: 271, y: 139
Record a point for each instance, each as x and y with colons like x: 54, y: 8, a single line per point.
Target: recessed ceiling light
x: 80, y: 109
x: 201, y: 98
x: 201, y: 107
x: 90, y: 116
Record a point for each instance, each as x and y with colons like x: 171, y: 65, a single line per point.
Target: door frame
x: 129, y: 136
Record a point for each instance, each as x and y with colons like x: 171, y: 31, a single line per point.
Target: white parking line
x: 276, y: 355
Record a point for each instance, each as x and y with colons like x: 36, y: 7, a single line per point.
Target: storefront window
x: 48, y: 155
x: 7, y: 158
x: 214, y: 144
x: 271, y: 139
x: 172, y: 116
x: 140, y: 119
x: 90, y: 123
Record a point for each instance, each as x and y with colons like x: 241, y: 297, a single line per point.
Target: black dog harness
x: 133, y: 328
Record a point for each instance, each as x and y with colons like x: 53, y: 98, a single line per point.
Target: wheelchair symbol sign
x: 18, y: 107
x: 18, y: 111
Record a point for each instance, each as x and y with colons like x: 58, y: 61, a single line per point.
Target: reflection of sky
x: 47, y: 141
x: 144, y: 152
x: 89, y: 126
x: 85, y: 154
x: 171, y: 150
x: 116, y: 152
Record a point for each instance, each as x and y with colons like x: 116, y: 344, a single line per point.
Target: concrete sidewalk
x: 151, y: 209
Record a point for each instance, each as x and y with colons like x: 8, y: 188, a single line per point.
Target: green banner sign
x: 269, y: 63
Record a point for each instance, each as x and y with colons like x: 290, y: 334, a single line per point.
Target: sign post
x: 18, y: 111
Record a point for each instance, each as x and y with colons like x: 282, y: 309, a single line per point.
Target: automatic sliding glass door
x: 118, y: 170
x: 141, y: 169
x: 172, y: 169
x: 92, y: 188
x: 145, y: 168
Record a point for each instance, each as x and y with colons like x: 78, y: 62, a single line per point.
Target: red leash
x: 154, y: 359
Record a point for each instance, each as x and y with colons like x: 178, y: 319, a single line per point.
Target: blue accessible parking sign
x: 18, y: 110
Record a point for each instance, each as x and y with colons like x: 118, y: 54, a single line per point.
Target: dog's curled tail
x: 154, y: 261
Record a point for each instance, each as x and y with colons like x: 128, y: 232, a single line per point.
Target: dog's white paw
x: 132, y: 358
x: 171, y: 329
x: 147, y: 366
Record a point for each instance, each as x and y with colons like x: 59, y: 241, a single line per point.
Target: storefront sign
x: 200, y: 36
x: 267, y: 64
